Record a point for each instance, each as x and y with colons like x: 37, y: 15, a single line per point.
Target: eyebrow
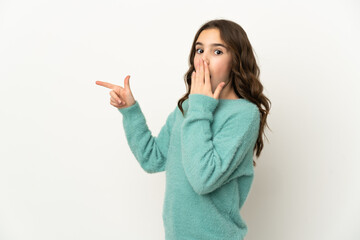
x: 214, y: 44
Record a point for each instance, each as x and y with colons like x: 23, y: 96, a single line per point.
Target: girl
x: 206, y: 145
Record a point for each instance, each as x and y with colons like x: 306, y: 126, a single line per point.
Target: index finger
x: 106, y: 84
x: 207, y: 73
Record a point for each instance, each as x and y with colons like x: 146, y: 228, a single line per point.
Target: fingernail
x: 119, y: 101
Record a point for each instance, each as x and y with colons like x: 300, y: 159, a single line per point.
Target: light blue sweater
x: 207, y: 156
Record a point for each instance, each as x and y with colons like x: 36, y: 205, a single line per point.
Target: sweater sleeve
x: 209, y: 160
x: 150, y: 151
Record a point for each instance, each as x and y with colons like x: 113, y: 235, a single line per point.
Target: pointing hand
x: 121, y: 97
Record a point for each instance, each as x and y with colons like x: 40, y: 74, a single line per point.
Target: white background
x: 66, y: 171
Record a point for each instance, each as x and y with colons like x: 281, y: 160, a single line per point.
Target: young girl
x: 206, y: 145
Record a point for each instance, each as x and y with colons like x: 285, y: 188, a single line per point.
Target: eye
x: 198, y: 50
x: 219, y: 51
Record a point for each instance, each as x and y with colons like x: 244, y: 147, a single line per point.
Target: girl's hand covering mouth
x: 200, y: 81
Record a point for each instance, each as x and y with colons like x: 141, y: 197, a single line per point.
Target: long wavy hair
x: 244, y: 75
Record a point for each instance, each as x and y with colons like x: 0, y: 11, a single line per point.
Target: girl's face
x: 213, y: 50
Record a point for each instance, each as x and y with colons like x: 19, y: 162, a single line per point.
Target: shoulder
x: 236, y: 116
x: 239, y: 109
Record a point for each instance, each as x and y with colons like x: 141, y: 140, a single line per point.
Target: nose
x: 205, y: 60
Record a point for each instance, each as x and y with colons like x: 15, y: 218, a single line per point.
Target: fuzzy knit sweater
x: 207, y: 157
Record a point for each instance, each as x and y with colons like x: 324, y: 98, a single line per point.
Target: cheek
x: 221, y: 68
x: 196, y: 60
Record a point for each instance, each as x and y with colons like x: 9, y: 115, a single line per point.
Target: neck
x: 228, y: 92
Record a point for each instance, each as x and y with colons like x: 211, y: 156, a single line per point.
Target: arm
x: 209, y: 160
x: 150, y: 151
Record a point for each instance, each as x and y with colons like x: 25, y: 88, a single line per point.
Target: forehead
x: 210, y: 36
